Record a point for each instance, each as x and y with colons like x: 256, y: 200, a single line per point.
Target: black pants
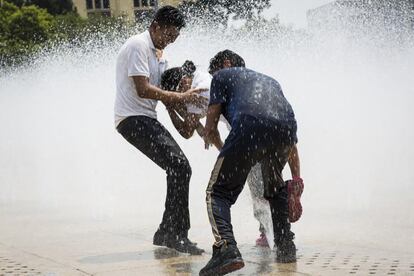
x: 152, y: 139
x: 250, y: 142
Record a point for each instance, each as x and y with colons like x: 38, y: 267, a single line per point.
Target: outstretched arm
x: 148, y: 91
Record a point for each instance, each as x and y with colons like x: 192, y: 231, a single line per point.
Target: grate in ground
x: 11, y: 267
x: 355, y: 264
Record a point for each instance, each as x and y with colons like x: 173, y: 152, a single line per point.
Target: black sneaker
x: 184, y: 245
x: 225, y: 259
x: 160, y: 238
x: 286, y: 252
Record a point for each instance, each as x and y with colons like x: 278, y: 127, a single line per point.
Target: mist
x: 60, y: 151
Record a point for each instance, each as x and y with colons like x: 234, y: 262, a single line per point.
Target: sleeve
x: 218, y: 90
x: 138, y: 61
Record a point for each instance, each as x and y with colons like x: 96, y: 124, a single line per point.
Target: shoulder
x: 223, y: 74
x: 268, y: 79
x: 138, y: 42
x: 233, y: 71
x: 201, y: 77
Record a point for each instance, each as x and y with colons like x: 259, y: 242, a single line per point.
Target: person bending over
x: 263, y: 130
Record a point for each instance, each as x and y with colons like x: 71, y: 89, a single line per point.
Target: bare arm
x: 294, y: 162
x: 211, y: 134
x: 148, y: 91
x: 186, y: 126
x: 201, y: 132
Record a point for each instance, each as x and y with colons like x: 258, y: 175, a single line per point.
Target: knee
x: 181, y: 168
x: 186, y: 169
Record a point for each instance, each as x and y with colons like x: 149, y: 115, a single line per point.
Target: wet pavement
x: 40, y: 241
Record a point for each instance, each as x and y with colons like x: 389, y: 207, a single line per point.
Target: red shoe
x: 262, y: 241
x: 295, y: 189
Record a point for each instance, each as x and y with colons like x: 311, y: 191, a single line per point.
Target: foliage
x: 27, y: 30
x: 5, y: 13
x: 53, y: 7
x: 23, y: 30
x: 30, y: 24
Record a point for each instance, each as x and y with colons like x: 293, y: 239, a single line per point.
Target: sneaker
x: 184, y: 245
x: 225, y: 259
x: 286, y: 252
x: 160, y: 238
x: 262, y: 241
x: 295, y: 190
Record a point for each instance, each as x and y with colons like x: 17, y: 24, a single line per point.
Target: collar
x: 150, y: 43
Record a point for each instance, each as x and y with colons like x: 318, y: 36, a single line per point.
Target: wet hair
x: 216, y: 63
x: 169, y: 16
x: 171, y: 78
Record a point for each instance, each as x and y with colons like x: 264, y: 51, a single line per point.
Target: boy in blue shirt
x: 263, y: 130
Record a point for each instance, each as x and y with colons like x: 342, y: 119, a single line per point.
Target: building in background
x: 394, y: 16
x: 132, y: 9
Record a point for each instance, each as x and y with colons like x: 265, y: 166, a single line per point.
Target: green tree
x: 52, y: 6
x: 6, y: 10
x: 30, y: 24
x: 24, y: 31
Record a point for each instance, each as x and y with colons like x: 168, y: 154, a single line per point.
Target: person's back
x: 247, y: 92
x: 263, y: 131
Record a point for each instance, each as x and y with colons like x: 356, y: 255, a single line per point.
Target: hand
x: 297, y: 179
x: 210, y: 137
x: 295, y: 189
x: 296, y: 184
x: 200, y: 131
x: 207, y: 141
x: 192, y: 96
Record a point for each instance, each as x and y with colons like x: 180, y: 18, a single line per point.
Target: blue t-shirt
x: 242, y: 91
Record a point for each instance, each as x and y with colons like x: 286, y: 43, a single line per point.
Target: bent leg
x: 152, y: 139
x: 276, y: 192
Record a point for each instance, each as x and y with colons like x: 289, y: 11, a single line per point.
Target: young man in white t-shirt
x: 138, y: 74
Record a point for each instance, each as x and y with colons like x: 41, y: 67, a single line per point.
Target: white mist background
x: 59, y: 150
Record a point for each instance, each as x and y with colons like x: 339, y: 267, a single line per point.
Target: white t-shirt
x: 200, y: 80
x: 137, y: 57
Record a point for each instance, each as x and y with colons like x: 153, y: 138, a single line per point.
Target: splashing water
x: 352, y: 100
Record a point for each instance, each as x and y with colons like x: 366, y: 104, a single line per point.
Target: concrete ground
x: 37, y: 240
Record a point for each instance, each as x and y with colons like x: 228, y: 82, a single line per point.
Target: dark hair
x: 216, y: 63
x: 171, y: 78
x: 169, y: 16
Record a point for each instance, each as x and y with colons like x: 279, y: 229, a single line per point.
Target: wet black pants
x: 246, y: 145
x: 152, y: 139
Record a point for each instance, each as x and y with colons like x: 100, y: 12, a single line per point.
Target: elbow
x: 185, y: 135
x: 142, y: 90
x: 188, y: 134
